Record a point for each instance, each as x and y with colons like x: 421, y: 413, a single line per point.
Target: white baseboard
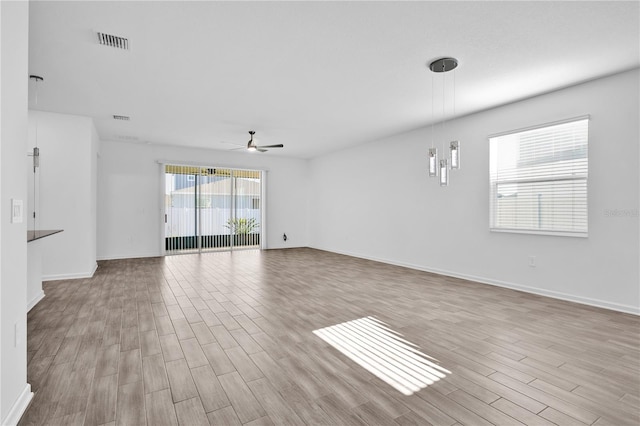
x: 33, y: 302
x: 73, y: 276
x: 19, y: 407
x: 629, y: 309
x: 128, y: 256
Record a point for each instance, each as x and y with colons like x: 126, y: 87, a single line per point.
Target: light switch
x: 16, y: 211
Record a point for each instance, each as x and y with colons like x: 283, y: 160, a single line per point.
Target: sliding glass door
x: 210, y: 209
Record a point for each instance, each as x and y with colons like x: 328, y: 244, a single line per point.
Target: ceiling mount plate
x: 443, y: 64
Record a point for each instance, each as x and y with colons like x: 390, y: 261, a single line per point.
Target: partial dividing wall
x: 130, y: 208
x: 15, y: 392
x: 66, y: 192
x: 379, y: 203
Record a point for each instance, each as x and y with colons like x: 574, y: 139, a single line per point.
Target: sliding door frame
x: 162, y: 207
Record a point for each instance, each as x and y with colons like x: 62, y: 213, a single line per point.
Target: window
x: 538, y: 179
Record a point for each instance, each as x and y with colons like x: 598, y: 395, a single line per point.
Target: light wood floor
x: 226, y: 338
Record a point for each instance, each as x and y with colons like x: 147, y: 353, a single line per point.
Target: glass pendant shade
x: 433, y: 162
x: 444, y: 172
x: 36, y: 158
x: 454, y: 147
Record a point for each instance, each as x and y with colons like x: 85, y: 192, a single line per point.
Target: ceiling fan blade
x: 234, y: 144
x: 259, y: 149
x: 271, y: 146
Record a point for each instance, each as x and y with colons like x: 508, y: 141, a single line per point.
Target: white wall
x: 15, y: 393
x: 379, y: 203
x: 67, y: 192
x: 130, y: 203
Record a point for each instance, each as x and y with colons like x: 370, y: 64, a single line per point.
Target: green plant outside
x: 242, y: 226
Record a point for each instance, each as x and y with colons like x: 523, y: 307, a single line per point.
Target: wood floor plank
x: 485, y: 411
x: 171, y: 348
x: 453, y: 409
x: 180, y: 380
x: 210, y: 391
x: 56, y: 382
x: 102, y: 400
x: 86, y: 357
x: 243, y: 364
x: 193, y: 353
x: 480, y: 392
x: 164, y: 325
x: 68, y: 350
x: 218, y: 359
x: 37, y: 371
x: 271, y: 370
x: 129, y: 339
x: 190, y: 412
x: 111, y: 335
x: 231, y: 335
x: 131, y: 405
x: 519, y: 413
x: 243, y: 401
x: 277, y: 409
x: 223, y: 337
x: 245, y: 341
x: 107, y: 362
x: 550, y: 374
x: 74, y: 419
x: 183, y: 329
x: 631, y: 400
x: 154, y: 373
x: 146, y: 322
x: 191, y: 315
x: 160, y: 408
x: 159, y: 310
x: 209, y: 318
x: 224, y: 416
x: 149, y: 343
x: 305, y: 408
x: 130, y: 367
x: 619, y: 412
x: 427, y: 411
x: 518, y: 398
x: 203, y: 334
x: 262, y: 421
x: 558, y: 418
x: 76, y: 394
x: 338, y: 411
x: 572, y: 410
x: 247, y: 324
x: 371, y: 414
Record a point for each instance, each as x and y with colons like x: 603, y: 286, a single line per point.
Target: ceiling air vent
x: 121, y: 117
x: 127, y: 138
x: 113, y: 41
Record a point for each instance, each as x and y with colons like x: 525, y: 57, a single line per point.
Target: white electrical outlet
x: 532, y: 261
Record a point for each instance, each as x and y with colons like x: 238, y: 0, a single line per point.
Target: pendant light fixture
x: 441, y: 168
x: 433, y: 162
x: 444, y: 172
x: 36, y: 151
x: 433, y: 151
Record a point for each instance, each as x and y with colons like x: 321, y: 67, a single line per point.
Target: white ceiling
x: 315, y: 76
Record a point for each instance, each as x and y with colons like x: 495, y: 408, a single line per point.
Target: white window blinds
x: 538, y: 179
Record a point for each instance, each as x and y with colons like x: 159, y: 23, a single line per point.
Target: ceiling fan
x: 251, y: 145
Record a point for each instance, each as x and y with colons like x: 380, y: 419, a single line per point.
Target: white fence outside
x: 181, y: 221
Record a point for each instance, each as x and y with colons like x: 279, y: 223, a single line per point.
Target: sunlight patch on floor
x: 382, y: 351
